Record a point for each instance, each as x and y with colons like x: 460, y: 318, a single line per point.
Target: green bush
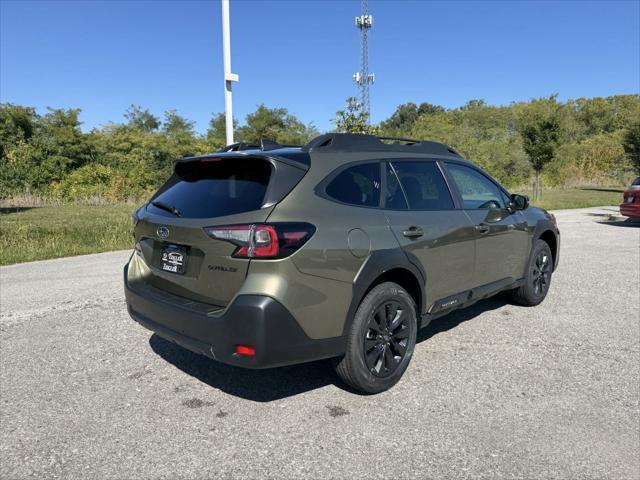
x: 595, y: 141
x: 93, y: 180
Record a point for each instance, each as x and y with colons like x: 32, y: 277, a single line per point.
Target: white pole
x: 228, y: 76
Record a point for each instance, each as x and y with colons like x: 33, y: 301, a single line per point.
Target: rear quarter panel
x: 320, y: 288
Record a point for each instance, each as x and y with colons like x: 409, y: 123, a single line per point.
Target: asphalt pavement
x: 493, y: 391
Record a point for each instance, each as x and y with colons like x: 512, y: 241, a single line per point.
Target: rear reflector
x: 245, y: 350
x: 266, y: 241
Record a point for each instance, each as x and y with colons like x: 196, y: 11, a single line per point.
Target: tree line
x: 592, y: 141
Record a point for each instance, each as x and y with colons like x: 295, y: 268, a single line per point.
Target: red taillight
x: 265, y: 241
x: 245, y: 350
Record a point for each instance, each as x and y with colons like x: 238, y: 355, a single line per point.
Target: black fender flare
x: 376, y: 264
x: 541, y: 227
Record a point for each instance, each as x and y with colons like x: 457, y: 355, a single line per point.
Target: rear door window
x: 214, y: 188
x: 357, y: 185
x: 394, y: 197
x: 423, y: 185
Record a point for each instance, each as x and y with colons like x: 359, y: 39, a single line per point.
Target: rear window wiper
x: 167, y: 207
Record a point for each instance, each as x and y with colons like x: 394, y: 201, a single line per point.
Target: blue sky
x: 101, y: 56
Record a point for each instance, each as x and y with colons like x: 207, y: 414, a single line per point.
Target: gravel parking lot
x: 494, y: 391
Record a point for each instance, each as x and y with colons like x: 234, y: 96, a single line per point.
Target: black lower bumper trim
x: 255, y: 320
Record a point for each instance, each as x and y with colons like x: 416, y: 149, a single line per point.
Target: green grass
x: 38, y: 233
x: 556, y: 199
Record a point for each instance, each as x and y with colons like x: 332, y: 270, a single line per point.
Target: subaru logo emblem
x: 163, y: 232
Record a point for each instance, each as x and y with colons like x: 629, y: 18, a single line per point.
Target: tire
x: 538, y: 277
x: 381, y: 340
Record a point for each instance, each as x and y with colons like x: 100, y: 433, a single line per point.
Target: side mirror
x: 519, y: 202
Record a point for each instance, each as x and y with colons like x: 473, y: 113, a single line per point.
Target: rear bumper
x: 630, y: 210
x: 255, y: 320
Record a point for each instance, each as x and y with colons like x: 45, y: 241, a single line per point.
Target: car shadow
x: 256, y: 385
x: 629, y: 222
x: 615, y: 219
x: 455, y: 318
x: 276, y: 383
x: 7, y: 210
x: 596, y: 189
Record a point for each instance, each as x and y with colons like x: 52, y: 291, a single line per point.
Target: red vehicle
x: 630, y: 206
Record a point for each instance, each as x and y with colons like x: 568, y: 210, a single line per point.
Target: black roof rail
x: 351, y: 142
x: 264, y: 145
x: 407, y: 141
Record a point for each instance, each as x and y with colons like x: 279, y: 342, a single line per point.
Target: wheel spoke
x: 379, y: 365
x: 399, y: 348
x: 370, y: 343
x: 381, y: 320
x: 402, y: 333
x: 372, y: 358
x: 397, y: 320
x: 375, y: 324
x: 391, y: 310
x: 389, y: 360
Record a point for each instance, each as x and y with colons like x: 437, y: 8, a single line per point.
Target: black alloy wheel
x: 386, y: 338
x: 541, y: 270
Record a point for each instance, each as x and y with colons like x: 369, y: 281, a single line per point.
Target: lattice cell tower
x: 363, y: 78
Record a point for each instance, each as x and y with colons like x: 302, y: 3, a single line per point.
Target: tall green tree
x: 275, y: 124
x: 474, y: 104
x: 539, y: 126
x: 631, y: 145
x: 175, y: 126
x: 353, y: 119
x: 217, y: 131
x: 142, y: 120
x: 405, y: 116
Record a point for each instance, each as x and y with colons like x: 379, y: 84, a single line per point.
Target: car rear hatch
x: 221, y: 190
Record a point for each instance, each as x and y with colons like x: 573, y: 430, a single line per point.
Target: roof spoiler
x: 264, y: 145
x: 346, y: 142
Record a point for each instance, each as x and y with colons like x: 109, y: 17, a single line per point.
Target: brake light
x: 266, y: 241
x: 263, y: 242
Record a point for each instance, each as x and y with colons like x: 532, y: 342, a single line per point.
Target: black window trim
x: 454, y: 187
x: 390, y: 162
x: 458, y: 203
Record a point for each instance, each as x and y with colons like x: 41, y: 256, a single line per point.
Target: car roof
x: 337, y: 143
x: 347, y: 142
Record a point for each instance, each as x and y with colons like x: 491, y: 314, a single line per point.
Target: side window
x: 358, y: 185
x: 424, y: 185
x: 477, y: 190
x: 394, y: 198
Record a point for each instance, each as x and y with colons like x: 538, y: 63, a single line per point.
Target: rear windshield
x: 636, y: 181
x: 214, y: 188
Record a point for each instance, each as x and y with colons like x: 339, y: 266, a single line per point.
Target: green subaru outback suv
x: 262, y: 255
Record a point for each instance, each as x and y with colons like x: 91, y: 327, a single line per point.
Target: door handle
x: 482, y: 229
x: 413, y: 232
